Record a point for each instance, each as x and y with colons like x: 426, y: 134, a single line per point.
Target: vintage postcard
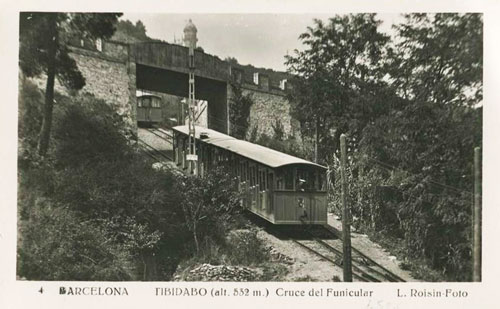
x: 263, y: 153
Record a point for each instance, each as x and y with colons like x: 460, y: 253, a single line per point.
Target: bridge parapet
x: 175, y: 58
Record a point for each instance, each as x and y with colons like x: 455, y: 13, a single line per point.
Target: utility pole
x: 190, y: 41
x: 477, y: 218
x: 316, y: 140
x: 346, y: 214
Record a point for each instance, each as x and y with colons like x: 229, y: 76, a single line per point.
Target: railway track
x: 363, y: 267
x: 162, y: 133
x: 152, y: 152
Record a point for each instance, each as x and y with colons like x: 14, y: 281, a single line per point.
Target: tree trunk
x: 43, y: 142
x: 144, y: 267
x: 195, y: 238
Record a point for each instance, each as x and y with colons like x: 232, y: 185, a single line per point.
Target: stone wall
x: 109, y: 75
x: 268, y: 108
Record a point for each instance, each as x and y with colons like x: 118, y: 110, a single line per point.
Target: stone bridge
x: 115, y: 70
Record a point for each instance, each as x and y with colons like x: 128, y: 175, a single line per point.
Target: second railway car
x: 148, y: 108
x: 278, y: 187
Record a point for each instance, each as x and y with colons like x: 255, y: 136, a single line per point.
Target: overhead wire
x: 376, y: 161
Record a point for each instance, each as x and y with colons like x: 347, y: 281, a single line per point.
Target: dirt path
x: 373, y: 250
x: 306, y: 266
x: 310, y: 267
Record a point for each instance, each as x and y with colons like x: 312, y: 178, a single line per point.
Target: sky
x: 258, y: 39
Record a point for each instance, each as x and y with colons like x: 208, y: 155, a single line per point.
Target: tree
x: 231, y: 60
x: 436, y: 69
x: 43, y: 49
x: 428, y: 139
x: 338, y: 84
x: 438, y: 58
x: 127, y: 32
x: 239, y: 112
x: 208, y: 203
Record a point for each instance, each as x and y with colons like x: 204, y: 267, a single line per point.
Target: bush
x: 114, y: 217
x: 30, y: 116
x: 92, y: 174
x: 89, y: 131
x: 57, y: 245
x: 411, y: 179
x: 208, y: 204
x: 245, y: 248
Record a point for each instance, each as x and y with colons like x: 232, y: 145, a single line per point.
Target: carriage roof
x: 258, y: 153
x: 140, y: 94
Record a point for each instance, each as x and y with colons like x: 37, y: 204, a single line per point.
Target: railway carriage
x: 280, y: 188
x: 148, y: 108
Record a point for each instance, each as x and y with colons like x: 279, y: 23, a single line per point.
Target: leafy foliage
x: 127, y: 32
x: 43, y: 49
x: 207, y: 203
x: 438, y: 58
x: 30, y: 111
x: 245, y: 248
x: 57, y: 245
x: 89, y: 131
x: 239, y: 112
x: 104, y: 194
x: 339, y: 84
x: 289, y: 145
x: 412, y: 174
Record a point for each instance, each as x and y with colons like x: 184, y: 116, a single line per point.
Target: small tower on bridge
x: 190, y: 40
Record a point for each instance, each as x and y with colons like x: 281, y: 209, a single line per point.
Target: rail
x: 360, y: 277
x: 364, y: 268
x: 164, y: 135
x: 338, y: 234
x: 153, y: 152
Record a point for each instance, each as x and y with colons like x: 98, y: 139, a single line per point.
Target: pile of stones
x: 279, y: 257
x: 208, y: 272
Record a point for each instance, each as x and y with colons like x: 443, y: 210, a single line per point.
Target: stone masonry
x: 266, y: 110
x: 111, y: 75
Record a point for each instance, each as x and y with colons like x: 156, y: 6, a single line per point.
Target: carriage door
x: 264, y: 191
x: 269, y: 191
x: 254, y: 187
x: 147, y: 109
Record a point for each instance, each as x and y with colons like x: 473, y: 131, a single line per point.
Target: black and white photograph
x: 325, y: 147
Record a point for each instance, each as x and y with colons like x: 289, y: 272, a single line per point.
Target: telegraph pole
x: 477, y: 216
x: 346, y: 215
x: 190, y: 41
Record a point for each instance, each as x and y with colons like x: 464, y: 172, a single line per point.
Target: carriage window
x: 155, y: 102
x: 280, y: 181
x: 146, y: 102
x: 284, y: 179
x: 322, y: 181
x: 252, y: 177
x: 306, y: 180
x: 270, y: 180
x: 262, y: 180
x: 139, y: 102
x: 288, y: 179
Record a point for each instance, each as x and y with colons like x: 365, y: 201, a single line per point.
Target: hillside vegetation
x: 94, y: 208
